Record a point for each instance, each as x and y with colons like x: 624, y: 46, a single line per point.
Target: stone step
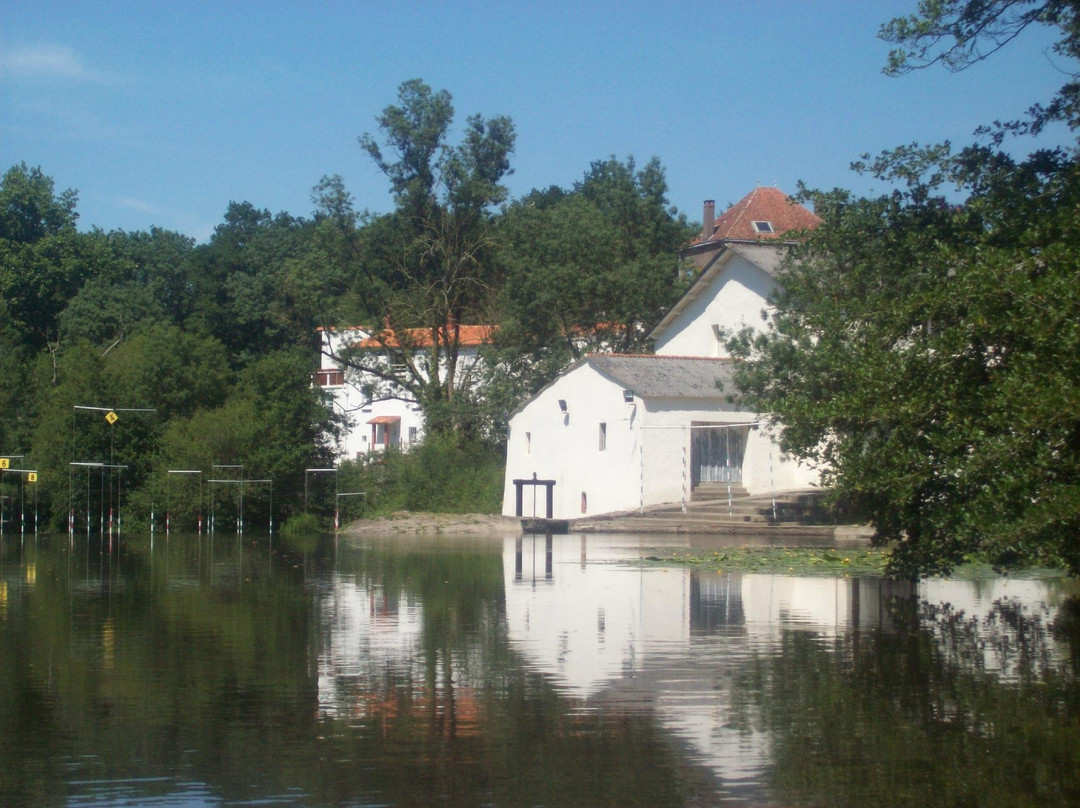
x: 645, y: 524
x: 794, y: 511
x: 710, y: 491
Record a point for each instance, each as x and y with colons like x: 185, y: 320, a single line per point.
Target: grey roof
x: 668, y: 376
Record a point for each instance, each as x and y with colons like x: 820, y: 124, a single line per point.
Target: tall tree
x: 587, y: 269
x: 427, y: 268
x: 241, y: 283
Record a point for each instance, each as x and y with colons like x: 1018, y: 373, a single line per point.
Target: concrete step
x: 645, y: 524
x: 794, y: 513
x: 710, y: 491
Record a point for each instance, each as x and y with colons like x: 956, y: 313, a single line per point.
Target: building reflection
x: 671, y: 640
x: 611, y: 634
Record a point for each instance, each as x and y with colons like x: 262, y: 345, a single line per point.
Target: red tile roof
x: 762, y: 205
x: 470, y: 336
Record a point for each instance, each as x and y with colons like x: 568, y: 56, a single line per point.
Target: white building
x: 617, y: 433
x: 380, y: 412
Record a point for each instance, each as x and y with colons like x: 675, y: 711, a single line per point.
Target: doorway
x: 717, y: 452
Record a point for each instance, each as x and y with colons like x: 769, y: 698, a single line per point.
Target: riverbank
x: 435, y: 523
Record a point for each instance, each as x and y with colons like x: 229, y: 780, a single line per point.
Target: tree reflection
x: 943, y: 709
x: 193, y: 667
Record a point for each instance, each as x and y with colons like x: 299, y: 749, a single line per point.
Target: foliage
x: 926, y: 355
x: 242, y: 284
x: 215, y: 342
x: 426, y: 269
x: 961, y: 33
x: 595, y: 267
x: 588, y: 269
x: 440, y: 475
x: 303, y: 524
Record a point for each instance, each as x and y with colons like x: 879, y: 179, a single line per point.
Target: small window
x: 763, y: 227
x: 603, y: 437
x: 412, y: 434
x: 528, y: 443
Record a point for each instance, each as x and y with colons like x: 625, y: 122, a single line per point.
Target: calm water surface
x: 518, y: 672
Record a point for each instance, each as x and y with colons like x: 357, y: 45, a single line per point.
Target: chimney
x: 708, y: 220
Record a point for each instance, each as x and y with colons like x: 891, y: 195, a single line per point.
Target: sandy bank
x: 459, y: 523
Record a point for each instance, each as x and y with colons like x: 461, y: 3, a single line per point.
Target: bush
x: 441, y: 475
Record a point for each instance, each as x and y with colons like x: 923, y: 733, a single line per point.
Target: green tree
x: 423, y: 271
x: 960, y: 33
x: 44, y: 260
x: 241, y: 284
x: 927, y: 354
x: 596, y: 267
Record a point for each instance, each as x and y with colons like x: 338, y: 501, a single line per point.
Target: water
x: 518, y: 672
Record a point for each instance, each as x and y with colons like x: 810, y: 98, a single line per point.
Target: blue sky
x: 162, y: 113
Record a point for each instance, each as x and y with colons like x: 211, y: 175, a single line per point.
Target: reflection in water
x: 519, y: 671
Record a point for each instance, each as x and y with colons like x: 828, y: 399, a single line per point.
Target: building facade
x: 616, y: 433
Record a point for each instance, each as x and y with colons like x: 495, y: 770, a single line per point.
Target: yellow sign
x: 112, y: 417
x: 31, y: 477
x: 5, y: 463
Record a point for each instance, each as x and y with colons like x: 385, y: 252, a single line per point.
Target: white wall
x: 653, y: 435
x: 734, y: 299
x: 566, y: 448
x: 587, y: 625
x: 350, y: 400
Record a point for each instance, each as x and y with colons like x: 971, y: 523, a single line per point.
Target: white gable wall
x: 567, y: 448
x: 734, y: 298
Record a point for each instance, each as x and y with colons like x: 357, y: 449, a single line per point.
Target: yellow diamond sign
x: 5, y: 463
x: 112, y: 417
x: 31, y: 477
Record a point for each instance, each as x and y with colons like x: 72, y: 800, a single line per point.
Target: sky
x: 161, y: 114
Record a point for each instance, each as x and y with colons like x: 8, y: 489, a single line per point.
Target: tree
x: 241, y: 283
x: 960, y: 33
x: 427, y: 268
x: 596, y: 267
x: 44, y: 261
x: 927, y: 355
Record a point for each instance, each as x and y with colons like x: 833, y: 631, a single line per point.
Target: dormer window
x: 763, y: 227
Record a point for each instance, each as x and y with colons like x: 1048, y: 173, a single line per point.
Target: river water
x: 508, y: 671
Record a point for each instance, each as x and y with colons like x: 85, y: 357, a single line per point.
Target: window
x: 603, y: 437
x: 329, y: 378
x: 412, y: 434
x: 763, y: 227
x: 528, y: 443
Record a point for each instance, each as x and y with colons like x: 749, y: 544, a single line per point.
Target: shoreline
x: 408, y: 522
